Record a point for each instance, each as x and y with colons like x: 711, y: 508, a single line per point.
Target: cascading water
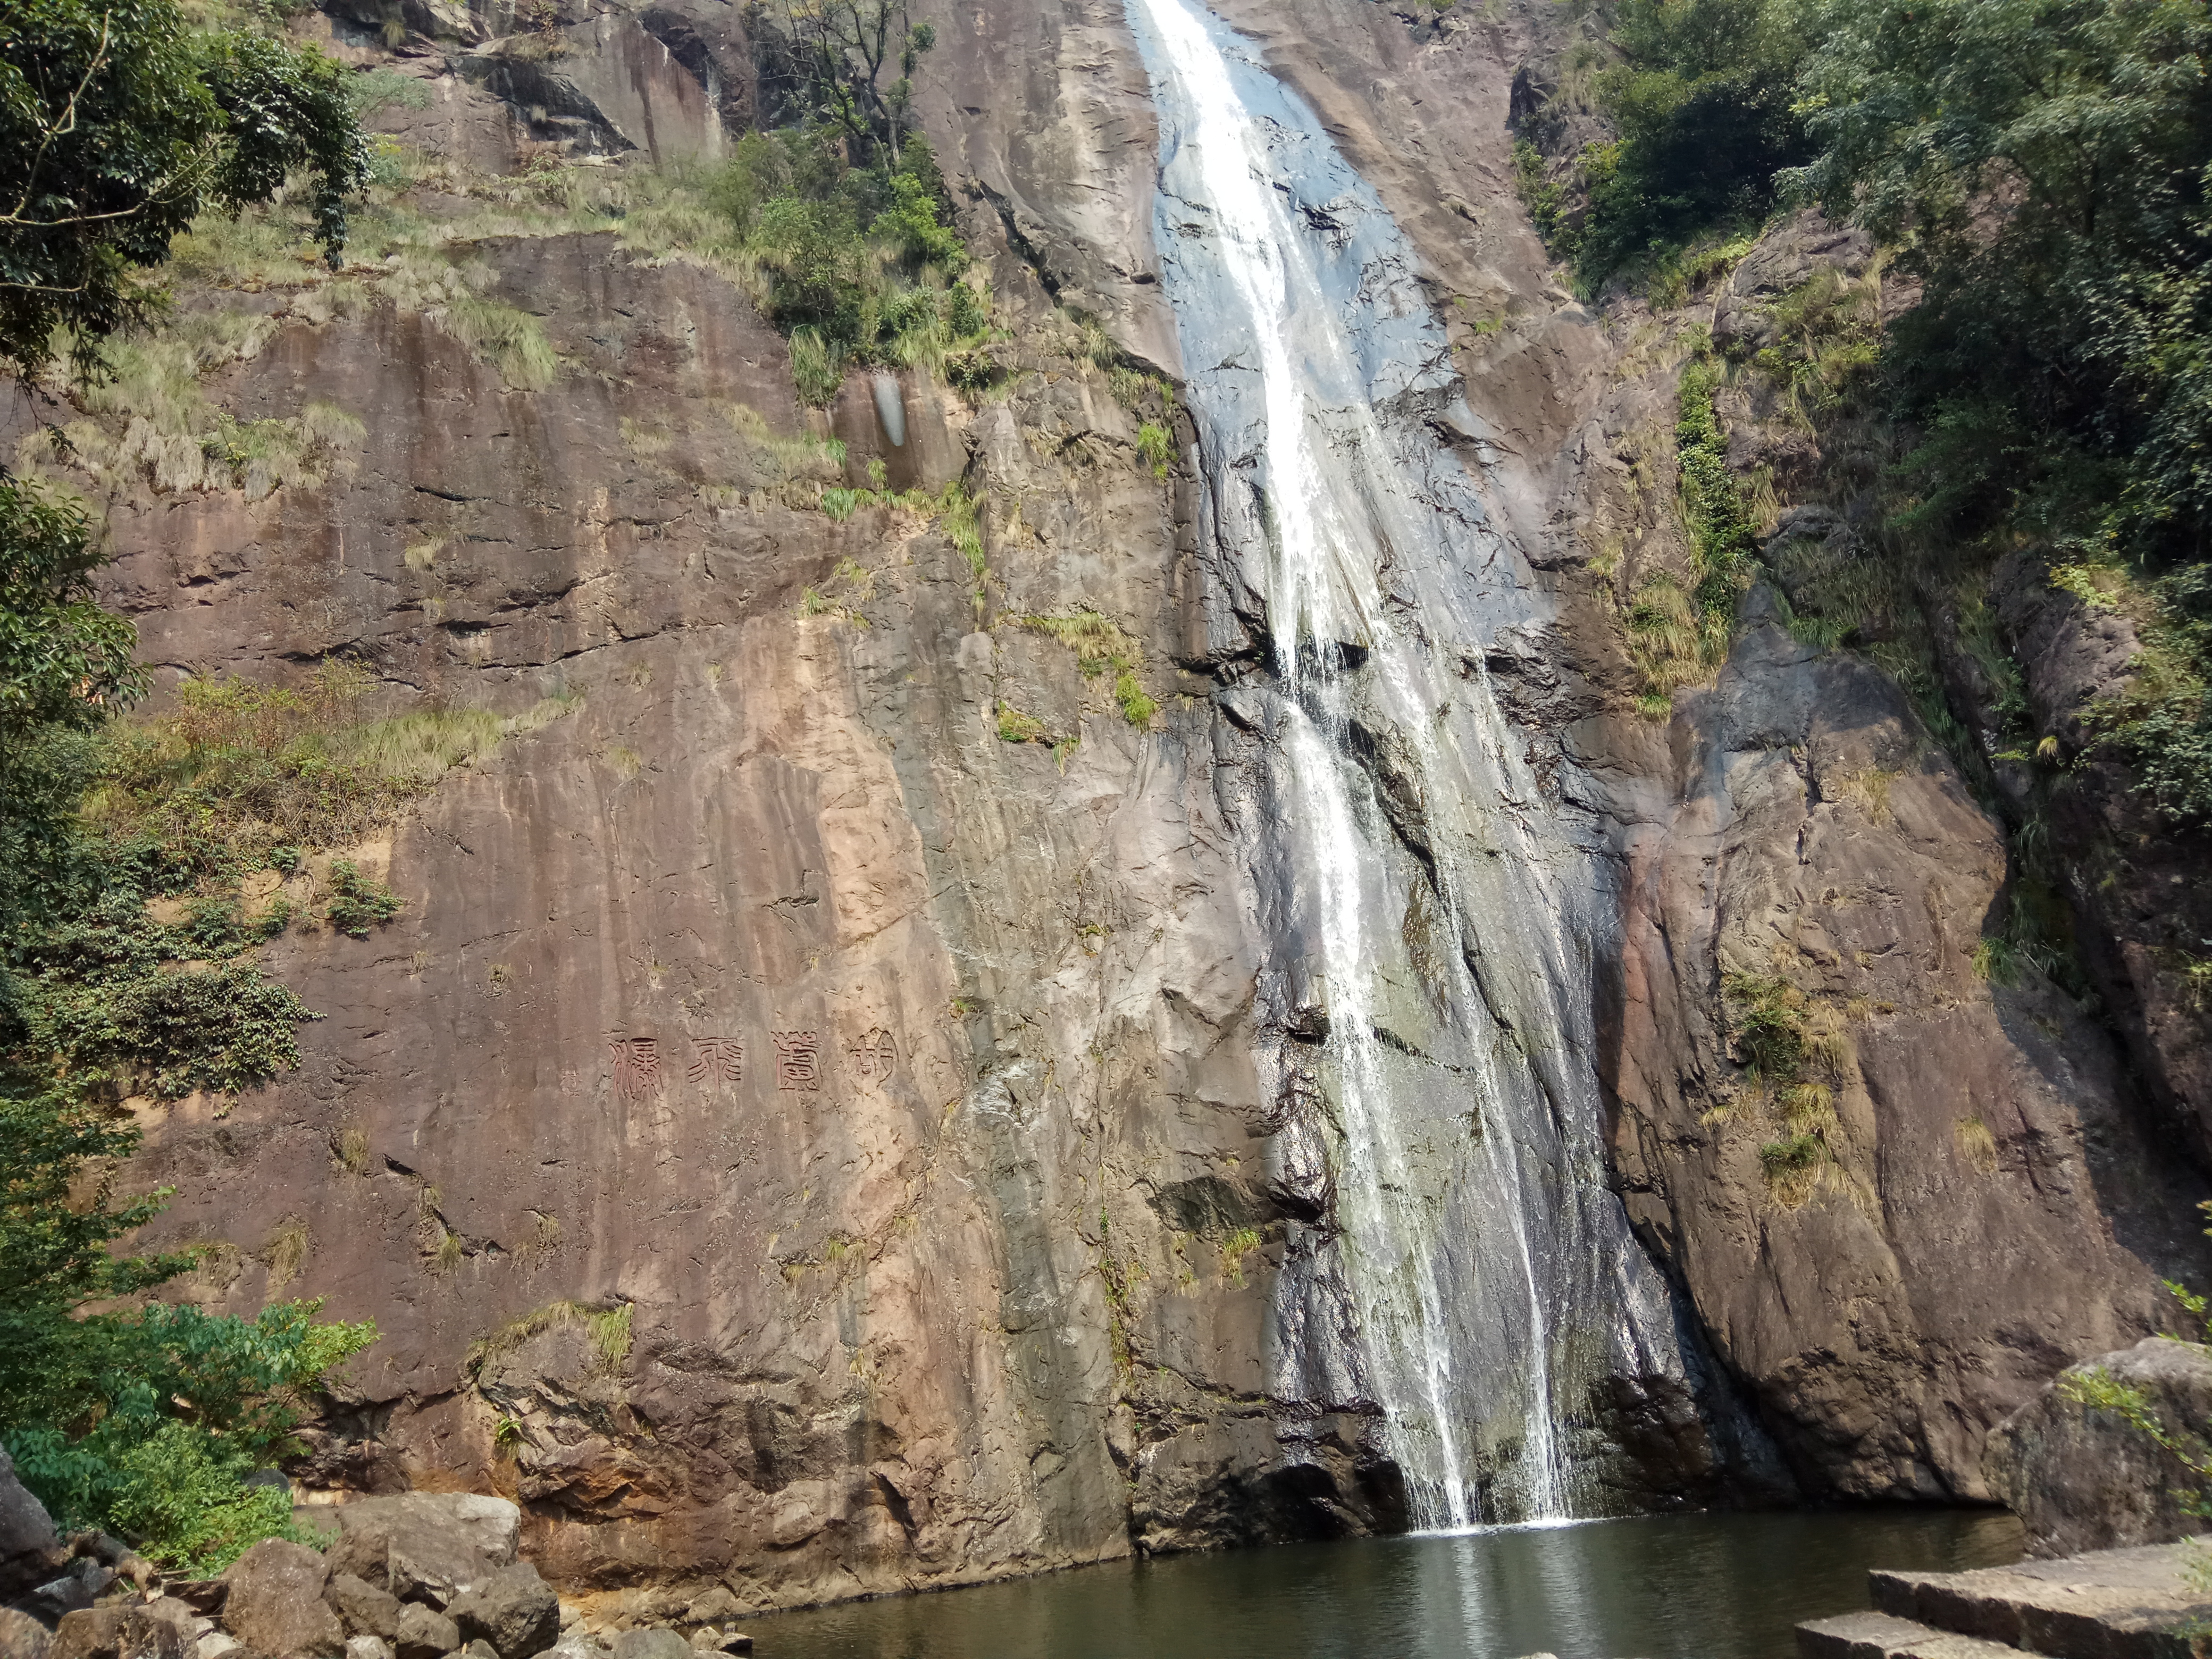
x: 1462, y: 1267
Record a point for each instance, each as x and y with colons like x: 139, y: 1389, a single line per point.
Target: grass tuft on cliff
x: 1101, y: 645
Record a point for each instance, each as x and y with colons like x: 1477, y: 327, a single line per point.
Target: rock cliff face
x: 797, y: 1140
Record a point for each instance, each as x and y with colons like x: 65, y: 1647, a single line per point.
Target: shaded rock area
x: 1811, y: 838
x: 30, y: 1549
x: 800, y: 1141
x: 2084, y: 1478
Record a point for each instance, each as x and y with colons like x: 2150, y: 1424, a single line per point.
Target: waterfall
x: 1456, y: 1266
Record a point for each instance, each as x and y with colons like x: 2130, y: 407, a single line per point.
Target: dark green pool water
x: 1677, y: 1587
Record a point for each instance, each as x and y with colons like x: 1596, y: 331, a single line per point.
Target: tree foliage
x: 119, y: 124
x: 2042, y: 164
x: 861, y: 266
x: 840, y: 51
x: 118, y: 127
x: 64, y: 665
x: 1703, y: 102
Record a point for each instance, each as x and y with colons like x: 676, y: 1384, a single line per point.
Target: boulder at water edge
x: 513, y: 1609
x: 2081, y: 1478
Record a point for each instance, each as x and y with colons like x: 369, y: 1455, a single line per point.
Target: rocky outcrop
x: 2142, y: 912
x: 275, y: 1602
x: 1813, y: 853
x: 30, y: 1549
x: 450, y: 1557
x: 2085, y: 1477
x: 801, y: 1137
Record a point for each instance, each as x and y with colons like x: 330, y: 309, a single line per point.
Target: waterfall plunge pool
x: 1660, y: 1586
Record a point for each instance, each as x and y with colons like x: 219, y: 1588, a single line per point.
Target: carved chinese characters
x: 716, y: 1059
x: 798, y: 1060
x: 873, y: 1057
x: 637, y: 1066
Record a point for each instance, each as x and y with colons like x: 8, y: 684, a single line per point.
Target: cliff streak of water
x: 1458, y: 1269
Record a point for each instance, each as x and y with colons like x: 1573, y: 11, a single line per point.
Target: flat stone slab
x: 1882, y: 1636
x: 2110, y: 1604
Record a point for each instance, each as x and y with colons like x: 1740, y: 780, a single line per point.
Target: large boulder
x: 275, y: 1605
x: 363, y: 1609
x: 117, y: 1632
x: 425, y: 1633
x: 2085, y: 1479
x: 76, y: 1586
x: 426, y: 1546
x: 22, y: 1637
x: 30, y: 1549
x: 514, y: 1610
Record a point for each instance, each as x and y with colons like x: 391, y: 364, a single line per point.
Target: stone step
x: 1882, y: 1636
x: 2111, y: 1604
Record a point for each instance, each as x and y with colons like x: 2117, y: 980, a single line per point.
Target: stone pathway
x: 2110, y: 1604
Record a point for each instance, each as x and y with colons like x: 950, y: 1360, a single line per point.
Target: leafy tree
x: 839, y: 49
x: 2042, y: 163
x: 1704, y: 104
x: 64, y: 664
x: 118, y: 125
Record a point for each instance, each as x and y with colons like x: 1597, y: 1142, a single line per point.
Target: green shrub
x: 1705, y: 101
x: 357, y: 903
x: 1138, y: 707
x: 858, y: 264
x: 1017, y: 726
x: 146, y: 1425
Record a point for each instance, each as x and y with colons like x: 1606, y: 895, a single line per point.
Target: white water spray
x: 1472, y: 1277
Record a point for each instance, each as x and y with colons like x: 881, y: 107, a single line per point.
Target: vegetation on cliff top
x: 2039, y: 168
x: 118, y: 125
x: 857, y: 264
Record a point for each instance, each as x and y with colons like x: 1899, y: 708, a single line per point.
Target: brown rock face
x: 116, y: 1632
x: 512, y: 1610
x: 802, y: 1136
x: 22, y: 1637
x: 363, y: 1608
x: 275, y: 1603
x: 2085, y: 1479
x: 1972, y: 1232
